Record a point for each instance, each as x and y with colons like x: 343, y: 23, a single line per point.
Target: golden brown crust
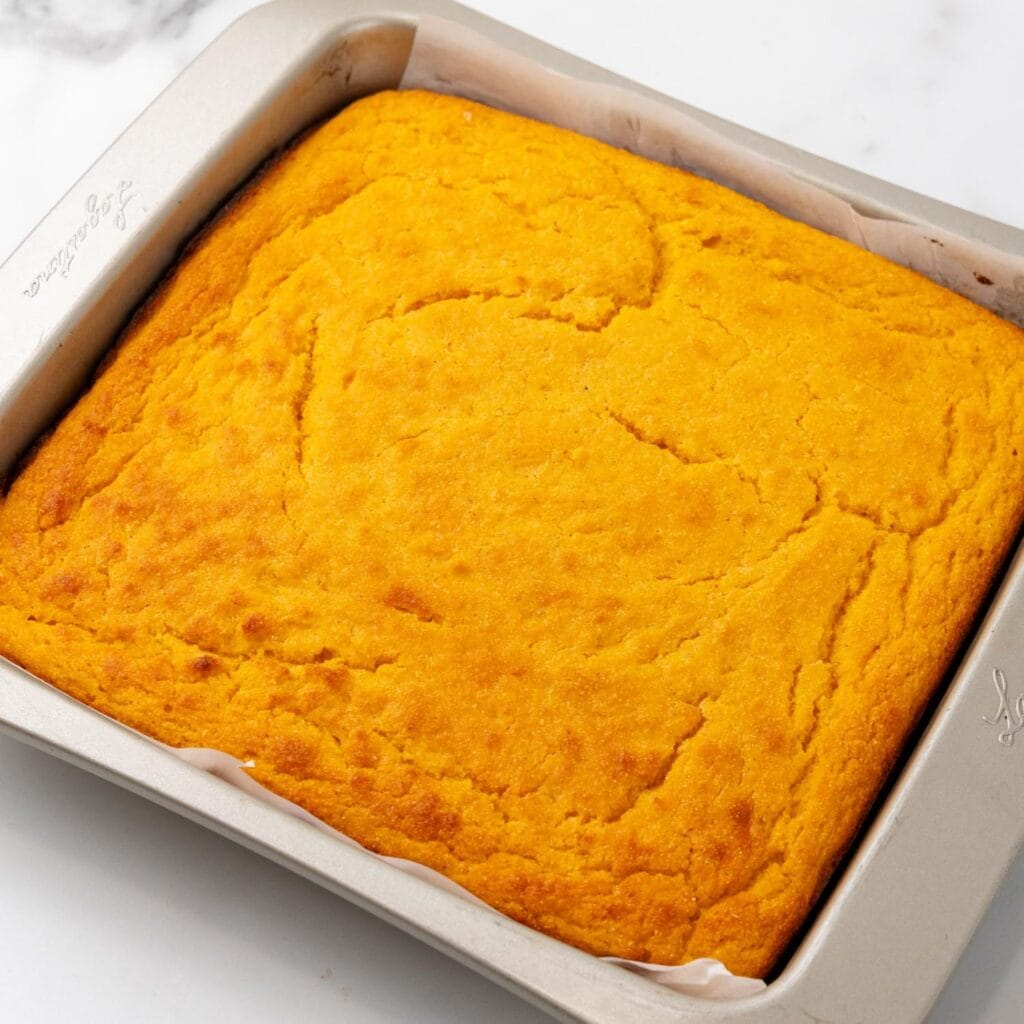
x: 562, y: 521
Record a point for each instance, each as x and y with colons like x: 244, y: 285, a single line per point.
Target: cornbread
x: 559, y: 520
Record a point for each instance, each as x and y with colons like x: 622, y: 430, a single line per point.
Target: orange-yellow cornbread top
x: 557, y: 519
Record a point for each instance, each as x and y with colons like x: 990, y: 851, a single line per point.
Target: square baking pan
x: 907, y: 900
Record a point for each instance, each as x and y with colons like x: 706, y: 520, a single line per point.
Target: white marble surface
x: 112, y: 909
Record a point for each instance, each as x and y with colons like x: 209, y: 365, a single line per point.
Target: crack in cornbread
x: 551, y: 517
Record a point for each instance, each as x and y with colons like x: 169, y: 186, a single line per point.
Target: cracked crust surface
x: 559, y: 520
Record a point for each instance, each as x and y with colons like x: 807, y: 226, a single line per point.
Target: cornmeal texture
x: 551, y: 517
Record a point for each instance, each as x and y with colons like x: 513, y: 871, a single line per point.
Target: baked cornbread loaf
x: 557, y: 519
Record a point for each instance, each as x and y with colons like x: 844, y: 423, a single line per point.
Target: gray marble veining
x: 97, y: 31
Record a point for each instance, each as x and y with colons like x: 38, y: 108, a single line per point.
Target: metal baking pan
x: 894, y: 924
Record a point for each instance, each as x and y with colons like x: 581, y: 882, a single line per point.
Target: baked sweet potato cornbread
x: 557, y: 519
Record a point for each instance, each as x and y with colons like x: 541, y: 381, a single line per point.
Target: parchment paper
x: 704, y: 978
x: 449, y: 58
